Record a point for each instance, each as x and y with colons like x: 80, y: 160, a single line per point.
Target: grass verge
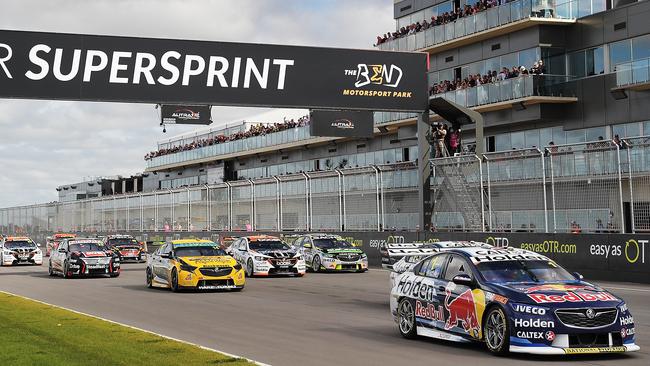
x: 32, y: 333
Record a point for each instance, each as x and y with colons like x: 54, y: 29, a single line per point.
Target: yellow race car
x: 194, y: 264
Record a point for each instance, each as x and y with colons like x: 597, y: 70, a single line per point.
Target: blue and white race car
x: 511, y: 299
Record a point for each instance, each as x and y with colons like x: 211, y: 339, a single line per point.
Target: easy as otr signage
x: 125, y: 69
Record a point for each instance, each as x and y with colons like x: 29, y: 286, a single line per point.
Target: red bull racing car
x: 512, y: 300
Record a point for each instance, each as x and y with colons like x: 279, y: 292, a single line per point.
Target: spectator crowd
x: 259, y: 129
x: 470, y: 81
x: 444, y: 18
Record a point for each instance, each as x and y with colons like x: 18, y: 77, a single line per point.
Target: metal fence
x: 598, y: 186
x: 588, y: 187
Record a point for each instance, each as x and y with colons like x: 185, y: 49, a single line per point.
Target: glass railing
x: 251, y: 143
x: 491, y: 18
x: 634, y: 72
x: 501, y: 91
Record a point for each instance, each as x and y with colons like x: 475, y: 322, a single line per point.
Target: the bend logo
x: 386, y: 75
x: 343, y: 124
x: 186, y: 114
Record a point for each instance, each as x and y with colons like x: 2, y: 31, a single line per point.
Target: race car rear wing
x: 392, y: 253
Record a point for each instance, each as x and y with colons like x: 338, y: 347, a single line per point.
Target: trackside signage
x: 40, y: 65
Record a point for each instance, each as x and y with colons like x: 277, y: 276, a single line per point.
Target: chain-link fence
x: 598, y: 187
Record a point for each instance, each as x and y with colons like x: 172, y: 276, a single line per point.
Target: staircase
x: 463, y: 195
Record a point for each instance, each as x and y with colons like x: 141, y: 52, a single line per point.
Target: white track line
x: 140, y: 329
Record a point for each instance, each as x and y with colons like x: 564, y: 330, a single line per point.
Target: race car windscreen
x: 122, y: 242
x: 87, y: 247
x: 19, y: 244
x: 268, y: 245
x: 331, y: 244
x: 199, y: 251
x: 523, y: 271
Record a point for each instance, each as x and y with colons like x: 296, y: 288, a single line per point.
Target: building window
x: 619, y: 52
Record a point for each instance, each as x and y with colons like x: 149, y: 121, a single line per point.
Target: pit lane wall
x: 615, y: 257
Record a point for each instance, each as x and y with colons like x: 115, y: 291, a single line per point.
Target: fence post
x: 620, y: 187
x: 141, y: 213
x: 342, y: 215
x: 229, y: 210
x: 189, y: 208
x: 307, y: 203
x: 310, y: 204
x: 544, y: 191
x: 629, y: 171
x: 155, y: 213
x: 378, y: 199
x: 278, y: 197
x: 208, y: 208
x: 550, y: 155
x: 480, y: 170
x: 489, y: 186
x: 383, y: 200
x: 253, y: 223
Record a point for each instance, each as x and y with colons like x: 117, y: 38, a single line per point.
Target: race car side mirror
x: 464, y: 280
x: 165, y: 255
x: 308, y: 246
x: 578, y: 276
x: 61, y: 250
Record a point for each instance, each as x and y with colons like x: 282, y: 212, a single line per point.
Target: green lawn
x: 32, y: 333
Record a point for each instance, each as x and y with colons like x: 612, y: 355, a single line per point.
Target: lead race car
x: 513, y: 300
x: 194, y: 263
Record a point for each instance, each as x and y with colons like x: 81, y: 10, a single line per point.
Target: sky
x: 45, y: 144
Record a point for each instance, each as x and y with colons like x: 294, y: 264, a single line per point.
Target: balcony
x: 253, y: 145
x: 487, y: 24
x: 633, y: 75
x: 524, y: 90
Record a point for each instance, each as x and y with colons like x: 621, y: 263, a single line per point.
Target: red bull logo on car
x: 567, y: 293
x: 465, y: 310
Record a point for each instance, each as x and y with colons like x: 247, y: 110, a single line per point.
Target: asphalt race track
x: 321, y: 319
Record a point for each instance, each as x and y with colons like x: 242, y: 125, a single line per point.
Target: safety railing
x: 230, y: 147
x: 499, y: 91
x: 635, y: 72
x: 491, y: 18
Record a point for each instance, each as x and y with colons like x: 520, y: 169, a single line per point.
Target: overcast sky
x: 46, y: 144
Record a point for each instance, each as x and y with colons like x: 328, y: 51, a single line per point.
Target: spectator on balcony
x: 575, y: 228
x: 454, y: 142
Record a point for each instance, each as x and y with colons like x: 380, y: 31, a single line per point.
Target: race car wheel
x: 174, y: 281
x: 315, y: 264
x: 250, y: 268
x: 406, y: 319
x: 149, y: 278
x: 496, y: 331
x: 66, y: 270
x: 50, y: 271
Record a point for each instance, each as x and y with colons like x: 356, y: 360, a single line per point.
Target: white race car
x: 325, y: 252
x: 20, y: 250
x: 263, y: 255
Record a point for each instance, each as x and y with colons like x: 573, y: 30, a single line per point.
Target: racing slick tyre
x: 315, y: 264
x: 250, y: 268
x: 149, y: 278
x: 173, y: 281
x: 66, y: 270
x: 406, y: 319
x: 50, y: 271
x: 496, y: 331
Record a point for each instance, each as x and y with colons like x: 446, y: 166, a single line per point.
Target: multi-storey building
x: 593, y: 87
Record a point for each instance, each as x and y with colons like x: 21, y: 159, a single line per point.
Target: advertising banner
x: 38, y: 65
x: 341, y: 123
x: 185, y: 114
